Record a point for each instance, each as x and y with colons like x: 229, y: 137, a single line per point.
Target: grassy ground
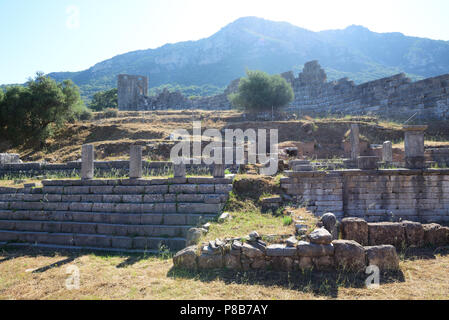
x: 33, y: 274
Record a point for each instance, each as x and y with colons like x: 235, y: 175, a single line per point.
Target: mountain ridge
x: 274, y: 47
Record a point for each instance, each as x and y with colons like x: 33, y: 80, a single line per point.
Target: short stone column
x: 218, y: 170
x: 355, y: 141
x: 87, y: 162
x: 179, y: 170
x: 414, y: 146
x: 135, y: 162
x: 387, y: 152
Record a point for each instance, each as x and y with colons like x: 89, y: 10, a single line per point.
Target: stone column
x: 135, y: 162
x: 387, y: 152
x: 355, y: 141
x: 87, y: 162
x: 179, y: 170
x: 219, y: 170
x: 414, y: 146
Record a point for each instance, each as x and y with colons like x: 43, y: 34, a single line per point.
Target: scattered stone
x: 301, y: 229
x: 329, y: 221
x: 29, y: 185
x: 349, y: 255
x: 194, y: 235
x: 236, y: 248
x: 254, y: 236
x: 224, y: 216
x: 320, y: 236
x: 206, y: 226
x: 385, y: 257
x: 291, y: 242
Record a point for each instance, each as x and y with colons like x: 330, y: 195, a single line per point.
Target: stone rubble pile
x: 319, y: 253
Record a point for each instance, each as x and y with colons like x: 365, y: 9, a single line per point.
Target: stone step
x: 170, y: 207
x: 116, y: 198
x: 109, y: 217
x: 96, y: 228
x: 90, y: 240
x: 60, y: 247
x: 139, y: 190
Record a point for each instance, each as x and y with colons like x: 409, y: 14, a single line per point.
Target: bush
x: 85, y: 115
x: 104, y: 99
x: 31, y: 113
x: 110, y: 113
x: 262, y: 92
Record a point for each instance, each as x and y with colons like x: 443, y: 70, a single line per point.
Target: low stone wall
x: 321, y: 254
x: 119, y: 214
x: 398, y: 234
x: 374, y: 195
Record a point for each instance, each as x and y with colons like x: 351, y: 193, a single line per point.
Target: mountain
x: 274, y: 47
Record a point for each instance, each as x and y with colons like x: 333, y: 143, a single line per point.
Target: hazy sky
x: 73, y: 35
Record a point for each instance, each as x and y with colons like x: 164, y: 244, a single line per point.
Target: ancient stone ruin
x: 395, y: 97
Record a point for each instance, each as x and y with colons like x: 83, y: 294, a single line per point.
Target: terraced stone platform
x: 125, y: 215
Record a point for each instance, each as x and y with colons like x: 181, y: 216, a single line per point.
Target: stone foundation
x: 254, y: 254
x: 399, y: 234
x: 374, y: 195
x: 127, y: 215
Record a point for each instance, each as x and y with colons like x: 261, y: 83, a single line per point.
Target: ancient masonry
x: 117, y: 214
x: 416, y: 193
x: 394, y: 97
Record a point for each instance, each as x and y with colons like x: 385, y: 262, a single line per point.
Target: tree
x: 31, y: 113
x: 261, y: 92
x: 104, y: 100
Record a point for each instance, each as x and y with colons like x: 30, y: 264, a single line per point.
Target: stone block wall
x: 130, y: 215
x: 375, y: 195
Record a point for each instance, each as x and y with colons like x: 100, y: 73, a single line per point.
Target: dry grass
x: 32, y: 274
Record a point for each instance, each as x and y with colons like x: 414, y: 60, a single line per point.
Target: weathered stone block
x: 414, y: 233
x: 349, y: 255
x: 320, y: 236
x: 355, y: 229
x: 305, y: 249
x: 435, y: 235
x: 186, y: 258
x: 384, y: 257
x: 279, y: 250
x: 386, y: 233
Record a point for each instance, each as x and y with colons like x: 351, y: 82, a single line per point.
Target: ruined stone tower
x: 130, y: 88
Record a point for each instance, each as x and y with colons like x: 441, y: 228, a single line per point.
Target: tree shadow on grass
x: 315, y: 282
x: 10, y: 253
